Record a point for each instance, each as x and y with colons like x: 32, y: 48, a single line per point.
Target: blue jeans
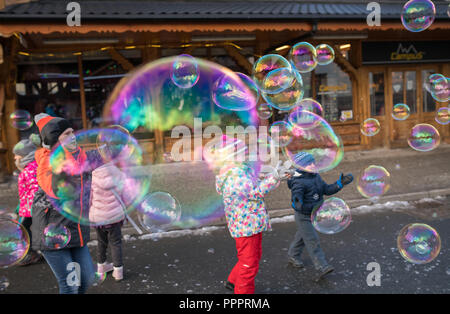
x: 73, y: 269
x: 306, y: 236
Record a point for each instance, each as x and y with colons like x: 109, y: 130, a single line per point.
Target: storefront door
x: 393, y: 85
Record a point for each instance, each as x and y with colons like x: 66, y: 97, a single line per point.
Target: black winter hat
x: 50, y: 128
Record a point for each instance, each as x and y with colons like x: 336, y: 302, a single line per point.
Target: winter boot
x: 104, y: 268
x: 295, y: 263
x: 228, y: 285
x: 118, y: 273
x: 323, y: 271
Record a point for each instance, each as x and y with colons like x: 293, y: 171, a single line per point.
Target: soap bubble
x: 99, y: 278
x: 21, y: 120
x: 440, y: 89
x: 374, y: 181
x: 303, y: 56
x: 14, y: 242
x: 424, y: 137
x: 184, y: 71
x: 56, y: 236
x: 400, y: 112
x: 418, y: 243
x: 431, y: 80
x: 289, y: 97
x: 332, y: 216
x: 128, y: 183
x: 114, y: 143
x: 343, y: 117
x: 235, y: 92
x: 264, y: 111
x: 280, y: 133
x: 443, y: 115
x: 159, y: 211
x: 325, y: 54
x: 272, y: 73
x: 318, y: 141
x: 278, y: 80
x: 418, y: 15
x: 370, y: 127
x: 311, y: 105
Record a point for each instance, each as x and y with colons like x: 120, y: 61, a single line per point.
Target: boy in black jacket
x: 307, y: 194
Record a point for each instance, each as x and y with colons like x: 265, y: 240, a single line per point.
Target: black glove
x: 347, y: 179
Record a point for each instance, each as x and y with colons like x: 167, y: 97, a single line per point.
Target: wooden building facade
x: 48, y: 66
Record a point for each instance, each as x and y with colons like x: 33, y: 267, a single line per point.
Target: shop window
x: 428, y: 102
x: 404, y: 89
x: 333, y: 89
x: 376, y: 87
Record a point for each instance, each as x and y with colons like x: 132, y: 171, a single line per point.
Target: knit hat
x: 24, y: 147
x: 304, y: 159
x: 50, y: 127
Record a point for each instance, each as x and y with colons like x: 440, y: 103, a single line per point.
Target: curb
x: 276, y: 213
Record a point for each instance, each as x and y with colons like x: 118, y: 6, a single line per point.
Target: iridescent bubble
x: 316, y: 148
x: 14, y: 242
x: 424, y: 137
x: 303, y: 56
x: 21, y: 120
x: 123, y: 177
x: 235, y: 92
x: 280, y: 133
x: 370, y: 127
x: 400, y: 112
x: 114, y: 143
x: 440, y: 89
x: 289, y: 97
x: 418, y: 243
x: 272, y: 73
x: 159, y: 211
x: 311, y: 105
x: 325, y: 54
x: 184, y: 72
x: 343, y: 117
x: 332, y: 216
x: 374, y: 181
x: 418, y: 15
x: 56, y: 236
x: 431, y: 80
x: 443, y: 115
x: 264, y: 111
x: 147, y: 100
x: 99, y: 278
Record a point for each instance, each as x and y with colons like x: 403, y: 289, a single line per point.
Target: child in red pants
x: 247, y: 218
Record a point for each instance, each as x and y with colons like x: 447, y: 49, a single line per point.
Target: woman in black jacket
x: 63, y: 201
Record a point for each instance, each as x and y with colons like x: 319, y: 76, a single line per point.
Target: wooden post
x: 82, y: 93
x: 8, y: 71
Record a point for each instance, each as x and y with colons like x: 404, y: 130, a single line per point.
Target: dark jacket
x: 63, y: 199
x: 307, y: 191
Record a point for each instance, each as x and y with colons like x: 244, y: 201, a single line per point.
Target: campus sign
x: 405, y: 52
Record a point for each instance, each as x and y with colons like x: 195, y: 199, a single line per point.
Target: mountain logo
x: 407, y: 54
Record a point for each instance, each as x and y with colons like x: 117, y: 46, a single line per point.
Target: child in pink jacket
x: 27, y: 185
x: 110, y: 192
x: 243, y: 195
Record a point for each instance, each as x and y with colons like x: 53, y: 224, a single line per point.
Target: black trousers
x: 111, y: 234
x: 26, y: 222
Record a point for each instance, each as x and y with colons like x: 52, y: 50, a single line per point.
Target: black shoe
x: 228, y: 285
x: 324, y: 271
x: 294, y: 263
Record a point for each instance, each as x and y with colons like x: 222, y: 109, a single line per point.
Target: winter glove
x: 344, y: 180
x: 297, y: 204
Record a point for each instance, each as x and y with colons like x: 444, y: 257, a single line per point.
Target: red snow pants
x: 249, y: 251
